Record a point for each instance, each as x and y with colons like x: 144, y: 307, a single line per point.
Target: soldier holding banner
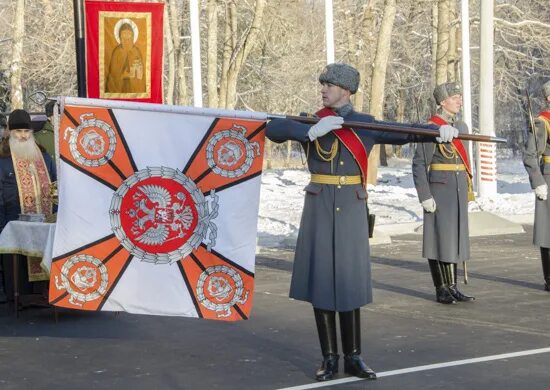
x: 537, y: 163
x: 443, y: 181
x: 332, y: 261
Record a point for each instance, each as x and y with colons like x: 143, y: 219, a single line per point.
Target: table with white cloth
x: 27, y: 239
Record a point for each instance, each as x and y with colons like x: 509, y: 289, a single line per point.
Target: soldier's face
x: 334, y: 96
x: 452, y: 104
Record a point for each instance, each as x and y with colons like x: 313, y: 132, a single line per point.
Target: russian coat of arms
x: 160, y: 215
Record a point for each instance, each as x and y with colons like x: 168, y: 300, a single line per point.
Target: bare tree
x: 443, y: 37
x: 236, y: 50
x: 366, y: 45
x: 170, y: 35
x: 16, y: 97
x: 212, y: 53
x: 378, y: 80
x: 452, y: 57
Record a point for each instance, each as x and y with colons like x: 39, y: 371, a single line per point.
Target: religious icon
x: 125, y: 71
x: 125, y: 51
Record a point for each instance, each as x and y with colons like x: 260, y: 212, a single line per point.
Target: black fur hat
x: 19, y: 119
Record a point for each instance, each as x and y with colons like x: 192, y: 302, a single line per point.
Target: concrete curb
x: 482, y: 223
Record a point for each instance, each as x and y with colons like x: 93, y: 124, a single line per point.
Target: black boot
x: 452, y: 282
x: 326, y: 328
x: 545, y: 257
x: 350, y: 328
x: 442, y: 293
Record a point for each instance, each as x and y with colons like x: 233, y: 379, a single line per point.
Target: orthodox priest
x: 332, y: 262
x: 537, y: 163
x: 26, y: 173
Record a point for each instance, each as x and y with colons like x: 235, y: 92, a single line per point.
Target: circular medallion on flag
x: 230, y: 154
x: 219, y: 288
x: 93, y: 142
x: 159, y: 215
x: 84, y: 277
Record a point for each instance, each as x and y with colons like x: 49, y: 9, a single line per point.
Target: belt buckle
x: 342, y: 180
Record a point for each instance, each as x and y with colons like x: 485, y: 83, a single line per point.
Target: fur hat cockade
x: 445, y: 90
x: 342, y: 75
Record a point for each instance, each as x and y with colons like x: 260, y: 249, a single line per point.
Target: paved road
x: 278, y: 346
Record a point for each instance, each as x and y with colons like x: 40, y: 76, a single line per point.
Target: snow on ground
x: 393, y: 199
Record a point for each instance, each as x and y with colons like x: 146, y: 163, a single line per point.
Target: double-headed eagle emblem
x: 153, y: 224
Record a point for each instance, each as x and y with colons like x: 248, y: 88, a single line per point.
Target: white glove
x: 326, y: 124
x: 429, y: 205
x: 446, y: 134
x: 542, y: 192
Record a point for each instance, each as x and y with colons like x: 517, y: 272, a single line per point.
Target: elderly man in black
x: 26, y: 173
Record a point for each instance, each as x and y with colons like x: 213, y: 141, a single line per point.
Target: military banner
x: 124, y: 50
x: 158, y: 208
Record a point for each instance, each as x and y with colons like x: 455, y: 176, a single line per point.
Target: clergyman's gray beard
x: 26, y: 150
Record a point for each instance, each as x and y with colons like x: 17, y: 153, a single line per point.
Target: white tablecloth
x: 29, y: 239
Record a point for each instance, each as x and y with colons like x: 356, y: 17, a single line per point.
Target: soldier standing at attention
x: 537, y: 163
x: 332, y: 261
x: 443, y: 181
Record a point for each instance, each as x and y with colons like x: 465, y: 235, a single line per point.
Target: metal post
x: 78, y: 9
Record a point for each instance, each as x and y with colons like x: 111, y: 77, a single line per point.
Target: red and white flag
x: 158, y: 209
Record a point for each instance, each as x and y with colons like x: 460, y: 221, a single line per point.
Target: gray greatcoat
x: 539, y: 174
x: 446, y: 236
x: 332, y: 261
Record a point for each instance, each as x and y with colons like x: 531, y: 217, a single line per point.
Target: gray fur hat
x: 546, y: 89
x: 342, y: 75
x: 445, y: 90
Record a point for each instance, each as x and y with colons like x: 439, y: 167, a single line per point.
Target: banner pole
x: 78, y: 8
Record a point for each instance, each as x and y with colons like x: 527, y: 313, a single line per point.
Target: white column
x: 486, y: 152
x: 195, y: 52
x: 329, y: 27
